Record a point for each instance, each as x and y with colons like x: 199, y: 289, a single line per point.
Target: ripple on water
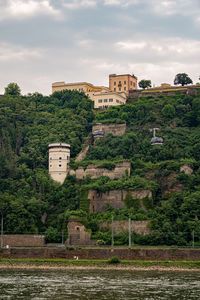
x: 98, y: 284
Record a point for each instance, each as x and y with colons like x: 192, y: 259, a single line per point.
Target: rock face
x: 95, y: 171
x: 114, y: 198
x: 140, y: 227
x: 114, y: 129
x: 186, y: 169
x: 77, y: 235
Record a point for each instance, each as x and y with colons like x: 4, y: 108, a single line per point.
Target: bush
x: 114, y: 260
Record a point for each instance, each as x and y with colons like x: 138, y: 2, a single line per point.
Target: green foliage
x: 114, y: 260
x: 84, y: 201
x: 183, y: 79
x: 52, y: 235
x: 12, y: 89
x: 168, y: 111
x: 144, y: 83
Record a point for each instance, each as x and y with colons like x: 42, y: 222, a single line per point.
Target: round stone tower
x: 59, y: 157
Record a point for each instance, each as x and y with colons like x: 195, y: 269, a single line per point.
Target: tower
x: 59, y: 157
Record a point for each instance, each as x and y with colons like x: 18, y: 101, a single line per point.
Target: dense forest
x: 30, y: 202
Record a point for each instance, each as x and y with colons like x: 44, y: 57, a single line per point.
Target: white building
x: 59, y: 158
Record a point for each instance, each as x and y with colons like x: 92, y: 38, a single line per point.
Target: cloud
x: 76, y: 4
x: 122, y: 3
x: 17, y: 9
x: 175, y: 7
x: 174, y: 48
x: 10, y: 53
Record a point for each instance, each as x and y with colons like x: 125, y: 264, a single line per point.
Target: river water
x: 98, y: 284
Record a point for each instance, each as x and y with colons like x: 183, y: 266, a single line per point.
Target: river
x: 98, y: 284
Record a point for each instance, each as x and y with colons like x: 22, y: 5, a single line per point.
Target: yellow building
x: 122, y: 83
x: 77, y: 86
x: 108, y: 98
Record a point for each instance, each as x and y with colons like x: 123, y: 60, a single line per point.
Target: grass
x: 58, y: 263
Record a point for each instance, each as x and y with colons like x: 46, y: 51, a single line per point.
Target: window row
x: 105, y: 100
x: 60, y: 158
x: 119, y: 82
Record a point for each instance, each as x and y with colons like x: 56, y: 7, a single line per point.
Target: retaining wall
x: 134, y: 254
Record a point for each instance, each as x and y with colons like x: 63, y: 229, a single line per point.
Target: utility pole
x: 129, y: 231
x: 1, y: 230
x: 112, y: 233
x: 193, y: 238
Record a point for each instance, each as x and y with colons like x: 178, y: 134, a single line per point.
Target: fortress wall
x: 140, y: 227
x: 95, y: 171
x: 115, y: 129
x: 114, y: 198
x: 23, y: 240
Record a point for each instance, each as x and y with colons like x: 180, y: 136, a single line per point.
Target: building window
x: 78, y: 228
x: 50, y: 166
x: 120, y: 82
x: 100, y: 101
x: 60, y: 157
x: 110, y: 100
x: 60, y: 165
x: 125, y: 88
x: 114, y: 82
x: 131, y: 83
x: 50, y: 158
x: 134, y: 84
x: 117, y: 101
x: 114, y: 89
x: 100, y: 106
x: 125, y: 82
x: 105, y: 100
x: 119, y: 89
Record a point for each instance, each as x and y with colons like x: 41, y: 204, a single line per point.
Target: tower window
x: 60, y: 165
x: 114, y: 82
x: 60, y: 157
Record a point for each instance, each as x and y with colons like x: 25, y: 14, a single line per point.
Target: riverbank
x: 65, y: 264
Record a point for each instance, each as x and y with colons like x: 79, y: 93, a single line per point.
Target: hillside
x: 32, y: 203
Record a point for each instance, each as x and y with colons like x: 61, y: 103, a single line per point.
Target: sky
x: 45, y: 41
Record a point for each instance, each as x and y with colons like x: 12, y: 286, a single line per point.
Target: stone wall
x: 105, y: 253
x: 23, y: 240
x: 82, y: 154
x: 114, y: 198
x: 95, y: 171
x: 114, y: 129
x: 140, y: 227
x: 173, y: 90
x: 77, y: 234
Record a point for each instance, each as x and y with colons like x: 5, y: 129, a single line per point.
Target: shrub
x: 114, y: 260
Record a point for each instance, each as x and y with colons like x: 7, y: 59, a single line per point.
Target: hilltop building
x: 106, y: 99
x: 59, y: 157
x: 102, y: 96
x: 122, y: 83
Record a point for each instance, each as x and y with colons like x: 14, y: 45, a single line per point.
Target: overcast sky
x: 44, y: 41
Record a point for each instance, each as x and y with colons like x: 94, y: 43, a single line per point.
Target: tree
x: 145, y: 83
x: 12, y: 89
x: 183, y: 79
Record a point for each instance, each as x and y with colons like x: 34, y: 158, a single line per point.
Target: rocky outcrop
x: 140, y: 227
x: 115, y: 198
x: 96, y: 171
x: 186, y: 169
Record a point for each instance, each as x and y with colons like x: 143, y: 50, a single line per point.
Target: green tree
x: 183, y: 79
x: 168, y: 111
x: 145, y: 83
x: 12, y: 89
